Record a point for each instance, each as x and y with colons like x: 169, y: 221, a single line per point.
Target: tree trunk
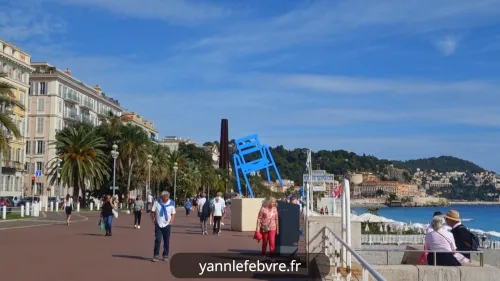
x: 130, y: 167
x: 76, y: 190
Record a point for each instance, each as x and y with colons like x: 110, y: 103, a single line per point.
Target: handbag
x: 101, y: 225
x: 115, y: 214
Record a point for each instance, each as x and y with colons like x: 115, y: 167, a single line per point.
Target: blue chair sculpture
x: 264, y: 160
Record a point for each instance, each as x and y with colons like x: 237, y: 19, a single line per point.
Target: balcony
x: 103, y: 112
x: 87, y: 105
x: 72, y: 98
x: 71, y: 115
x: 10, y: 167
x: 87, y: 119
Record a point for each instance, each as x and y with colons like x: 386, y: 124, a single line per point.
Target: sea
x: 483, y: 217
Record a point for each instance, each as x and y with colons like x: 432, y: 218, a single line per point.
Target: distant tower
x: 224, y: 148
x: 224, y: 145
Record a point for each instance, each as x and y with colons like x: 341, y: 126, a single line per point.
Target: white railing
x: 387, y: 239
x: 395, y: 239
x: 341, y: 254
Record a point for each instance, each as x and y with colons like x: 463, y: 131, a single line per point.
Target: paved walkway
x: 79, y: 252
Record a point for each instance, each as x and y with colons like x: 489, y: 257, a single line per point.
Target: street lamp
x: 114, y: 154
x: 150, y: 162
x: 175, y: 180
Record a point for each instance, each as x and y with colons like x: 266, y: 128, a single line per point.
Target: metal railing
x: 391, y: 239
x: 434, y: 253
x: 340, y: 255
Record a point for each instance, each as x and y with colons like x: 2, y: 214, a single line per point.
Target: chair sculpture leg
x: 237, y: 168
x: 268, y: 175
x: 271, y: 159
x: 249, y: 187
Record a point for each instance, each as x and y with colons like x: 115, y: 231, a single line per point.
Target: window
x: 28, y: 147
x: 29, y: 89
x: 39, y: 166
x: 60, y: 90
x: 41, y: 104
x: 19, y: 75
x: 18, y: 155
x: 28, y: 128
x: 43, y: 90
x: 60, y: 106
x: 23, y: 128
x: 60, y: 124
x: 21, y: 98
x: 40, y: 147
x: 39, y: 125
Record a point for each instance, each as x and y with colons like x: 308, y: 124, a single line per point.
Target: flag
x: 308, y: 162
x: 337, y: 191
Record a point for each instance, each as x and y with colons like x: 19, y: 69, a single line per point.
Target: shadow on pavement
x: 132, y: 257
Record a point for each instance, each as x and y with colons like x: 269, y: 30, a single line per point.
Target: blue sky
x: 397, y: 79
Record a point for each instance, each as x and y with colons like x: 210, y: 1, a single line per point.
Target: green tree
x: 83, y: 160
x: 133, y: 151
x: 7, y: 99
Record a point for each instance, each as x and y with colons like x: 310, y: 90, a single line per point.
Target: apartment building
x: 57, y: 99
x: 173, y: 142
x: 16, y: 64
x: 147, y: 126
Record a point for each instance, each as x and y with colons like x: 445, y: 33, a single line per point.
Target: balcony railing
x: 87, y: 104
x: 71, y: 97
x: 86, y: 119
x: 13, y: 164
x: 72, y: 115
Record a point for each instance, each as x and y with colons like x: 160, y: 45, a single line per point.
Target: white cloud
x: 181, y: 11
x: 22, y: 22
x: 447, y: 45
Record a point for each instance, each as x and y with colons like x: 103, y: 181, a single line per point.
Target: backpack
x: 473, y: 240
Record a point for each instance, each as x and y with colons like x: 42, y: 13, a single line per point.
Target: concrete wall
x: 317, y: 224
x: 437, y: 273
x: 244, y: 213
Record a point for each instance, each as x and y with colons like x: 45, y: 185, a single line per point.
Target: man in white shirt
x: 150, y: 202
x: 163, y: 214
x: 217, y: 209
x: 219, y: 194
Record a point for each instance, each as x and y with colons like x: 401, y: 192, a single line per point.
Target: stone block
x: 477, y: 273
x: 438, y: 273
x: 398, y: 272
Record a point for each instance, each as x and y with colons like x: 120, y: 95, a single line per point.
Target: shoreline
x: 473, y: 203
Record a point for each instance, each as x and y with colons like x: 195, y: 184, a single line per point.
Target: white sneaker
x: 139, y: 226
x: 135, y: 226
x: 221, y: 223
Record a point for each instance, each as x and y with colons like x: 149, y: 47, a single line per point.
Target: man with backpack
x: 464, y: 239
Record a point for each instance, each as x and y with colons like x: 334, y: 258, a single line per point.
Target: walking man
x: 163, y: 214
x: 203, y: 213
x: 138, y: 208
x: 150, y: 202
x: 217, y: 208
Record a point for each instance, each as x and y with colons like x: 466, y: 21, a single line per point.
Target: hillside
x: 440, y: 164
x: 292, y: 163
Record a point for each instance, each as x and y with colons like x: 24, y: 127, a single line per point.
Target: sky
x: 395, y: 79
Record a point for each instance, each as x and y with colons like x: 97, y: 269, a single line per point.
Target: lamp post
x: 59, y: 175
x: 114, y: 154
x: 175, y: 180
x: 150, y: 162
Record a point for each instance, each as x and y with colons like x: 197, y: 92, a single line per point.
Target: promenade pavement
x: 50, y: 250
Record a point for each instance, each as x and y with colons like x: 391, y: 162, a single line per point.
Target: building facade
x: 55, y: 100
x: 173, y: 142
x: 147, y: 126
x: 16, y: 64
x: 400, y: 189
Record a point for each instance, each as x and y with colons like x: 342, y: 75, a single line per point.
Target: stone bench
x: 437, y: 273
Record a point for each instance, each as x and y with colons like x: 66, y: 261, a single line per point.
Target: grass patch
x: 15, y: 216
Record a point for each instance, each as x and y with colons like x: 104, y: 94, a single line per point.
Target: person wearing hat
x: 464, y: 239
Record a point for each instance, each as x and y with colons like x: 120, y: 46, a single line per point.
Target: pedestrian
x: 150, y: 202
x: 465, y: 240
x: 163, y: 214
x: 326, y: 210
x: 217, y: 208
x: 188, y: 207
x: 67, y: 206
x: 138, y: 208
x: 203, y: 208
x: 211, y: 218
x: 322, y: 211
x: 268, y: 225
x: 107, y: 214
x: 223, y: 202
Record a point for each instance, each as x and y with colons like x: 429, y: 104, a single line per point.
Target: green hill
x: 440, y: 164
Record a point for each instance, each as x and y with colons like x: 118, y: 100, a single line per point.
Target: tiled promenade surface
x: 45, y: 250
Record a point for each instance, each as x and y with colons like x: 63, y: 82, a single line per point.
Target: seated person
x: 441, y: 240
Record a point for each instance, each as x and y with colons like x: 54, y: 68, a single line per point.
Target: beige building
x: 400, y: 189
x: 147, y: 126
x: 16, y: 64
x: 173, y: 142
x: 56, y: 99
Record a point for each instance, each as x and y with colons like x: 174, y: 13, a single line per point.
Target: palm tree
x: 133, y: 147
x: 7, y: 99
x: 159, y: 168
x: 110, y: 128
x: 83, y: 159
